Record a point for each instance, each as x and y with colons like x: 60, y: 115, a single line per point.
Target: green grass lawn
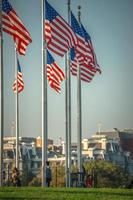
x: 64, y: 193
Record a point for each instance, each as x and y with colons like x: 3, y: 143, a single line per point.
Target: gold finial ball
x: 79, y: 7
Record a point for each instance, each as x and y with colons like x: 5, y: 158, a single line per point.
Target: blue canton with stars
x: 51, y: 14
x: 86, y: 35
x: 19, y: 68
x: 75, y: 26
x: 6, y: 6
x: 72, y: 53
x: 50, y: 59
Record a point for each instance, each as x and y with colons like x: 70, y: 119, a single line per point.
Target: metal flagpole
x: 17, y: 109
x: 79, y: 113
x: 68, y: 110
x: 1, y: 98
x: 44, y: 100
x: 68, y: 122
x: 69, y: 106
x: 66, y: 118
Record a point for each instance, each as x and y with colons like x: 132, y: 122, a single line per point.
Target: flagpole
x: 69, y: 106
x: 66, y: 118
x: 17, y: 109
x: 69, y: 110
x: 79, y: 112
x: 1, y: 98
x: 44, y: 100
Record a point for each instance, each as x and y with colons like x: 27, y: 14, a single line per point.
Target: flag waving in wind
x: 58, y: 33
x: 87, y: 74
x: 14, y: 27
x: 83, y: 54
x: 91, y: 56
x: 20, y: 80
x: 54, y: 73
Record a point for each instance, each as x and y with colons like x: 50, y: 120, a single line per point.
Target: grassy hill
x: 34, y: 193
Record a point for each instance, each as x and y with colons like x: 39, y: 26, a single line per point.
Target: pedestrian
x: 48, y: 174
x: 89, y: 181
x: 16, y: 177
x: 4, y: 178
x: 83, y: 176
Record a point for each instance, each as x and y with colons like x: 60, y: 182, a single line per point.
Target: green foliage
x: 74, y: 168
x: 58, y: 176
x: 27, y: 176
x: 36, y: 181
x: 106, y: 174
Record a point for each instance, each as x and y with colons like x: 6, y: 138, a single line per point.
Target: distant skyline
x: 107, y: 100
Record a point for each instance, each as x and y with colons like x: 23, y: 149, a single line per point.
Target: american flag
x: 58, y: 33
x: 87, y: 74
x: 54, y: 73
x: 20, y: 85
x: 91, y: 56
x: 83, y: 54
x: 14, y: 27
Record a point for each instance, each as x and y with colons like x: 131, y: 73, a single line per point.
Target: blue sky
x: 108, y: 99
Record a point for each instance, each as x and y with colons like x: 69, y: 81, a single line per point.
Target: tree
x: 106, y: 174
x: 58, y: 176
x: 27, y: 175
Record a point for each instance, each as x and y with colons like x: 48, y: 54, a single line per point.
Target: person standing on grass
x: 48, y: 174
x: 4, y: 178
x: 89, y: 181
x: 16, y: 177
